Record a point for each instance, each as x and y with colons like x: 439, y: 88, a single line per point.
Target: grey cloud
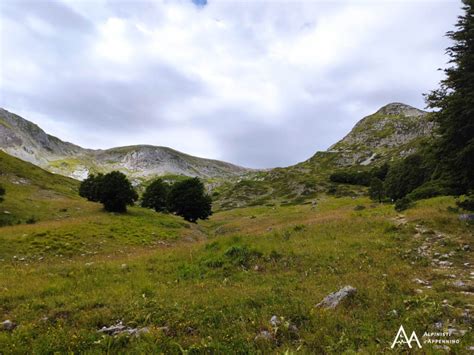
x: 228, y: 47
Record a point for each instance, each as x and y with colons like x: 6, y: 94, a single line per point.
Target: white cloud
x: 287, y: 78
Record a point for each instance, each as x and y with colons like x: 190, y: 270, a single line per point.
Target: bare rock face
x: 25, y: 140
x: 391, y: 132
x: 332, y: 300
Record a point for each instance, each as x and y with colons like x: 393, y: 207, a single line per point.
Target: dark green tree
x: 156, y: 196
x: 188, y: 199
x: 376, y: 189
x: 89, y: 188
x: 2, y: 193
x: 455, y: 103
x: 405, y: 176
x: 116, y: 192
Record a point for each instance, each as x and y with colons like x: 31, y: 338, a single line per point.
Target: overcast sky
x: 260, y: 84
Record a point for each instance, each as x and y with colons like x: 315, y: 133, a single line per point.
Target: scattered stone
x: 275, y: 321
x: 444, y: 257
x: 6, y: 212
x: 89, y: 264
x: 332, y: 300
x: 269, y: 229
x: 124, y: 266
x: 438, y: 325
x: 393, y: 312
x: 421, y: 282
x: 466, y: 247
x: 466, y: 217
x: 264, y: 335
x: 258, y: 268
x: 445, y: 263
x: 442, y: 347
x: 8, y: 325
x: 119, y: 328
x: 459, y: 284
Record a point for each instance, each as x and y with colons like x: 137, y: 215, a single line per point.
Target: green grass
x: 213, y: 287
x: 206, y: 290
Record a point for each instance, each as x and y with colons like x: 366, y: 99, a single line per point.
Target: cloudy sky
x: 257, y: 83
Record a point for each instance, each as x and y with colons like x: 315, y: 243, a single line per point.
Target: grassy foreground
x: 213, y: 287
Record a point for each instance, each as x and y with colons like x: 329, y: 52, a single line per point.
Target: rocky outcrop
x: 396, y: 130
x: 332, y: 300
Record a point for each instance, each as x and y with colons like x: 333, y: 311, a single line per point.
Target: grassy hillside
x: 215, y: 287
x: 35, y: 194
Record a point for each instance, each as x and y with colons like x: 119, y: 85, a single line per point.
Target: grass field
x: 213, y: 287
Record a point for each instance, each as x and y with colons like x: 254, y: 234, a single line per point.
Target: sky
x: 256, y: 83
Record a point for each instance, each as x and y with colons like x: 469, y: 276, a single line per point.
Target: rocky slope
x: 394, y: 131
x: 25, y: 140
x: 391, y: 133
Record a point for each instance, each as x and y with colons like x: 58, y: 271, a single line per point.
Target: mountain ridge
x: 27, y: 141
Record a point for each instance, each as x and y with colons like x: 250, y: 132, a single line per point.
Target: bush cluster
x: 186, y: 198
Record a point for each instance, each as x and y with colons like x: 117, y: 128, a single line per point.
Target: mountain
x: 392, y: 132
x: 25, y: 140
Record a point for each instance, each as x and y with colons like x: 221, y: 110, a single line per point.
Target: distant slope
x: 27, y: 141
x: 391, y: 133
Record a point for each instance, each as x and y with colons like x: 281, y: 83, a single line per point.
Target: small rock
x: 444, y: 257
x: 89, y: 264
x: 421, y: 282
x: 275, y: 321
x: 466, y: 247
x: 124, y: 266
x: 8, y: 325
x: 466, y: 217
x: 264, y: 335
x: 459, y: 284
x: 445, y: 263
x: 332, y: 300
x: 6, y: 212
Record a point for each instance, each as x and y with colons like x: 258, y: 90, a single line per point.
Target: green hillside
x: 215, y: 287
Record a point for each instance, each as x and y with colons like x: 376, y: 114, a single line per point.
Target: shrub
x: 156, y: 196
x: 2, y: 193
x: 429, y: 189
x: 90, y: 187
x: 188, y: 200
x: 405, y: 176
x: 351, y: 177
x: 376, y: 189
x: 116, y: 192
x: 467, y: 204
x: 403, y: 204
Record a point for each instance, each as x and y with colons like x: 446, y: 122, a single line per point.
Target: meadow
x: 245, y: 281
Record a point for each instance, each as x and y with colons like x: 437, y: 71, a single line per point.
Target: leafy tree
x: 405, y: 176
x: 188, y: 200
x: 455, y: 101
x: 2, y: 193
x: 156, y: 196
x: 376, y: 189
x: 116, y: 192
x: 89, y: 188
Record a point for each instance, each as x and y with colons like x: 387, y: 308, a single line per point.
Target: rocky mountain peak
x: 398, y: 108
x: 394, y: 131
